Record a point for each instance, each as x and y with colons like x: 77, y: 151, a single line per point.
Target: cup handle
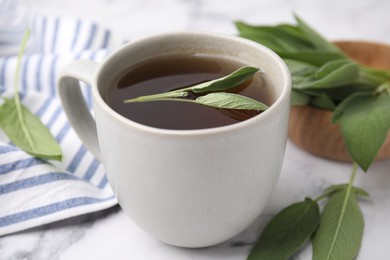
x: 74, y: 103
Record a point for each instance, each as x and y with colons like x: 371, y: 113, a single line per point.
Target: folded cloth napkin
x: 33, y: 191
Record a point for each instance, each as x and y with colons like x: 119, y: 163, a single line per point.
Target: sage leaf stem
x: 18, y: 107
x: 158, y: 97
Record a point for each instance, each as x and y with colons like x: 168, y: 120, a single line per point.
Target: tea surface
x: 165, y: 73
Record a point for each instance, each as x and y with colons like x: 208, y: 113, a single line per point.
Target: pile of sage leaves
x: 24, y: 128
x: 324, y: 77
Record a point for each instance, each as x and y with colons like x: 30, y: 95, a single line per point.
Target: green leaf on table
x: 340, y: 234
x: 27, y: 132
x: 232, y: 80
x: 287, y: 231
x: 230, y: 101
x: 364, y: 121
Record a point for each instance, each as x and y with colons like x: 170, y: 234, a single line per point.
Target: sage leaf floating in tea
x: 232, y: 80
x: 230, y: 101
x: 216, y: 99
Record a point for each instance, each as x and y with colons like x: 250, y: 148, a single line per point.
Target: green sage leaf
x: 384, y: 88
x: 323, y: 101
x: 344, y: 104
x: 300, y: 68
x: 299, y: 98
x: 330, y: 67
x: 28, y: 133
x: 157, y: 97
x: 230, y: 101
x: 232, y: 80
x: 339, y: 187
x: 22, y: 127
x: 287, y: 231
x: 332, y: 74
x: 364, y: 121
x: 311, y: 56
x: 296, y: 31
x: 340, y: 234
x: 275, y: 39
x: 374, y: 76
x: 298, y: 42
x: 286, y: 36
x: 343, y: 92
x: 315, y: 38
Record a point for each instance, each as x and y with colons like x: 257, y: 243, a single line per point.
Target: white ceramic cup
x: 190, y: 188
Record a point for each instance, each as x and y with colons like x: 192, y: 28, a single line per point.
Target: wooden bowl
x: 312, y: 129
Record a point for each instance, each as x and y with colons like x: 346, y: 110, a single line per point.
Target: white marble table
x: 111, y: 235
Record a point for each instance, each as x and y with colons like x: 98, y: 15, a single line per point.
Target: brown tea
x: 169, y: 72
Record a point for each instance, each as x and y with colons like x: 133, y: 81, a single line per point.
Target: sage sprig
x: 336, y: 234
x: 212, y: 93
x: 22, y: 127
x: 324, y: 77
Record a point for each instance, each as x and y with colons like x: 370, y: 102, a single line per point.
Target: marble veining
x: 109, y: 234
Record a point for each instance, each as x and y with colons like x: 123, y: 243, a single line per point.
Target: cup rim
x: 281, y: 99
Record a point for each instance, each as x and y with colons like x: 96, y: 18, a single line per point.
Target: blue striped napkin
x: 33, y: 191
